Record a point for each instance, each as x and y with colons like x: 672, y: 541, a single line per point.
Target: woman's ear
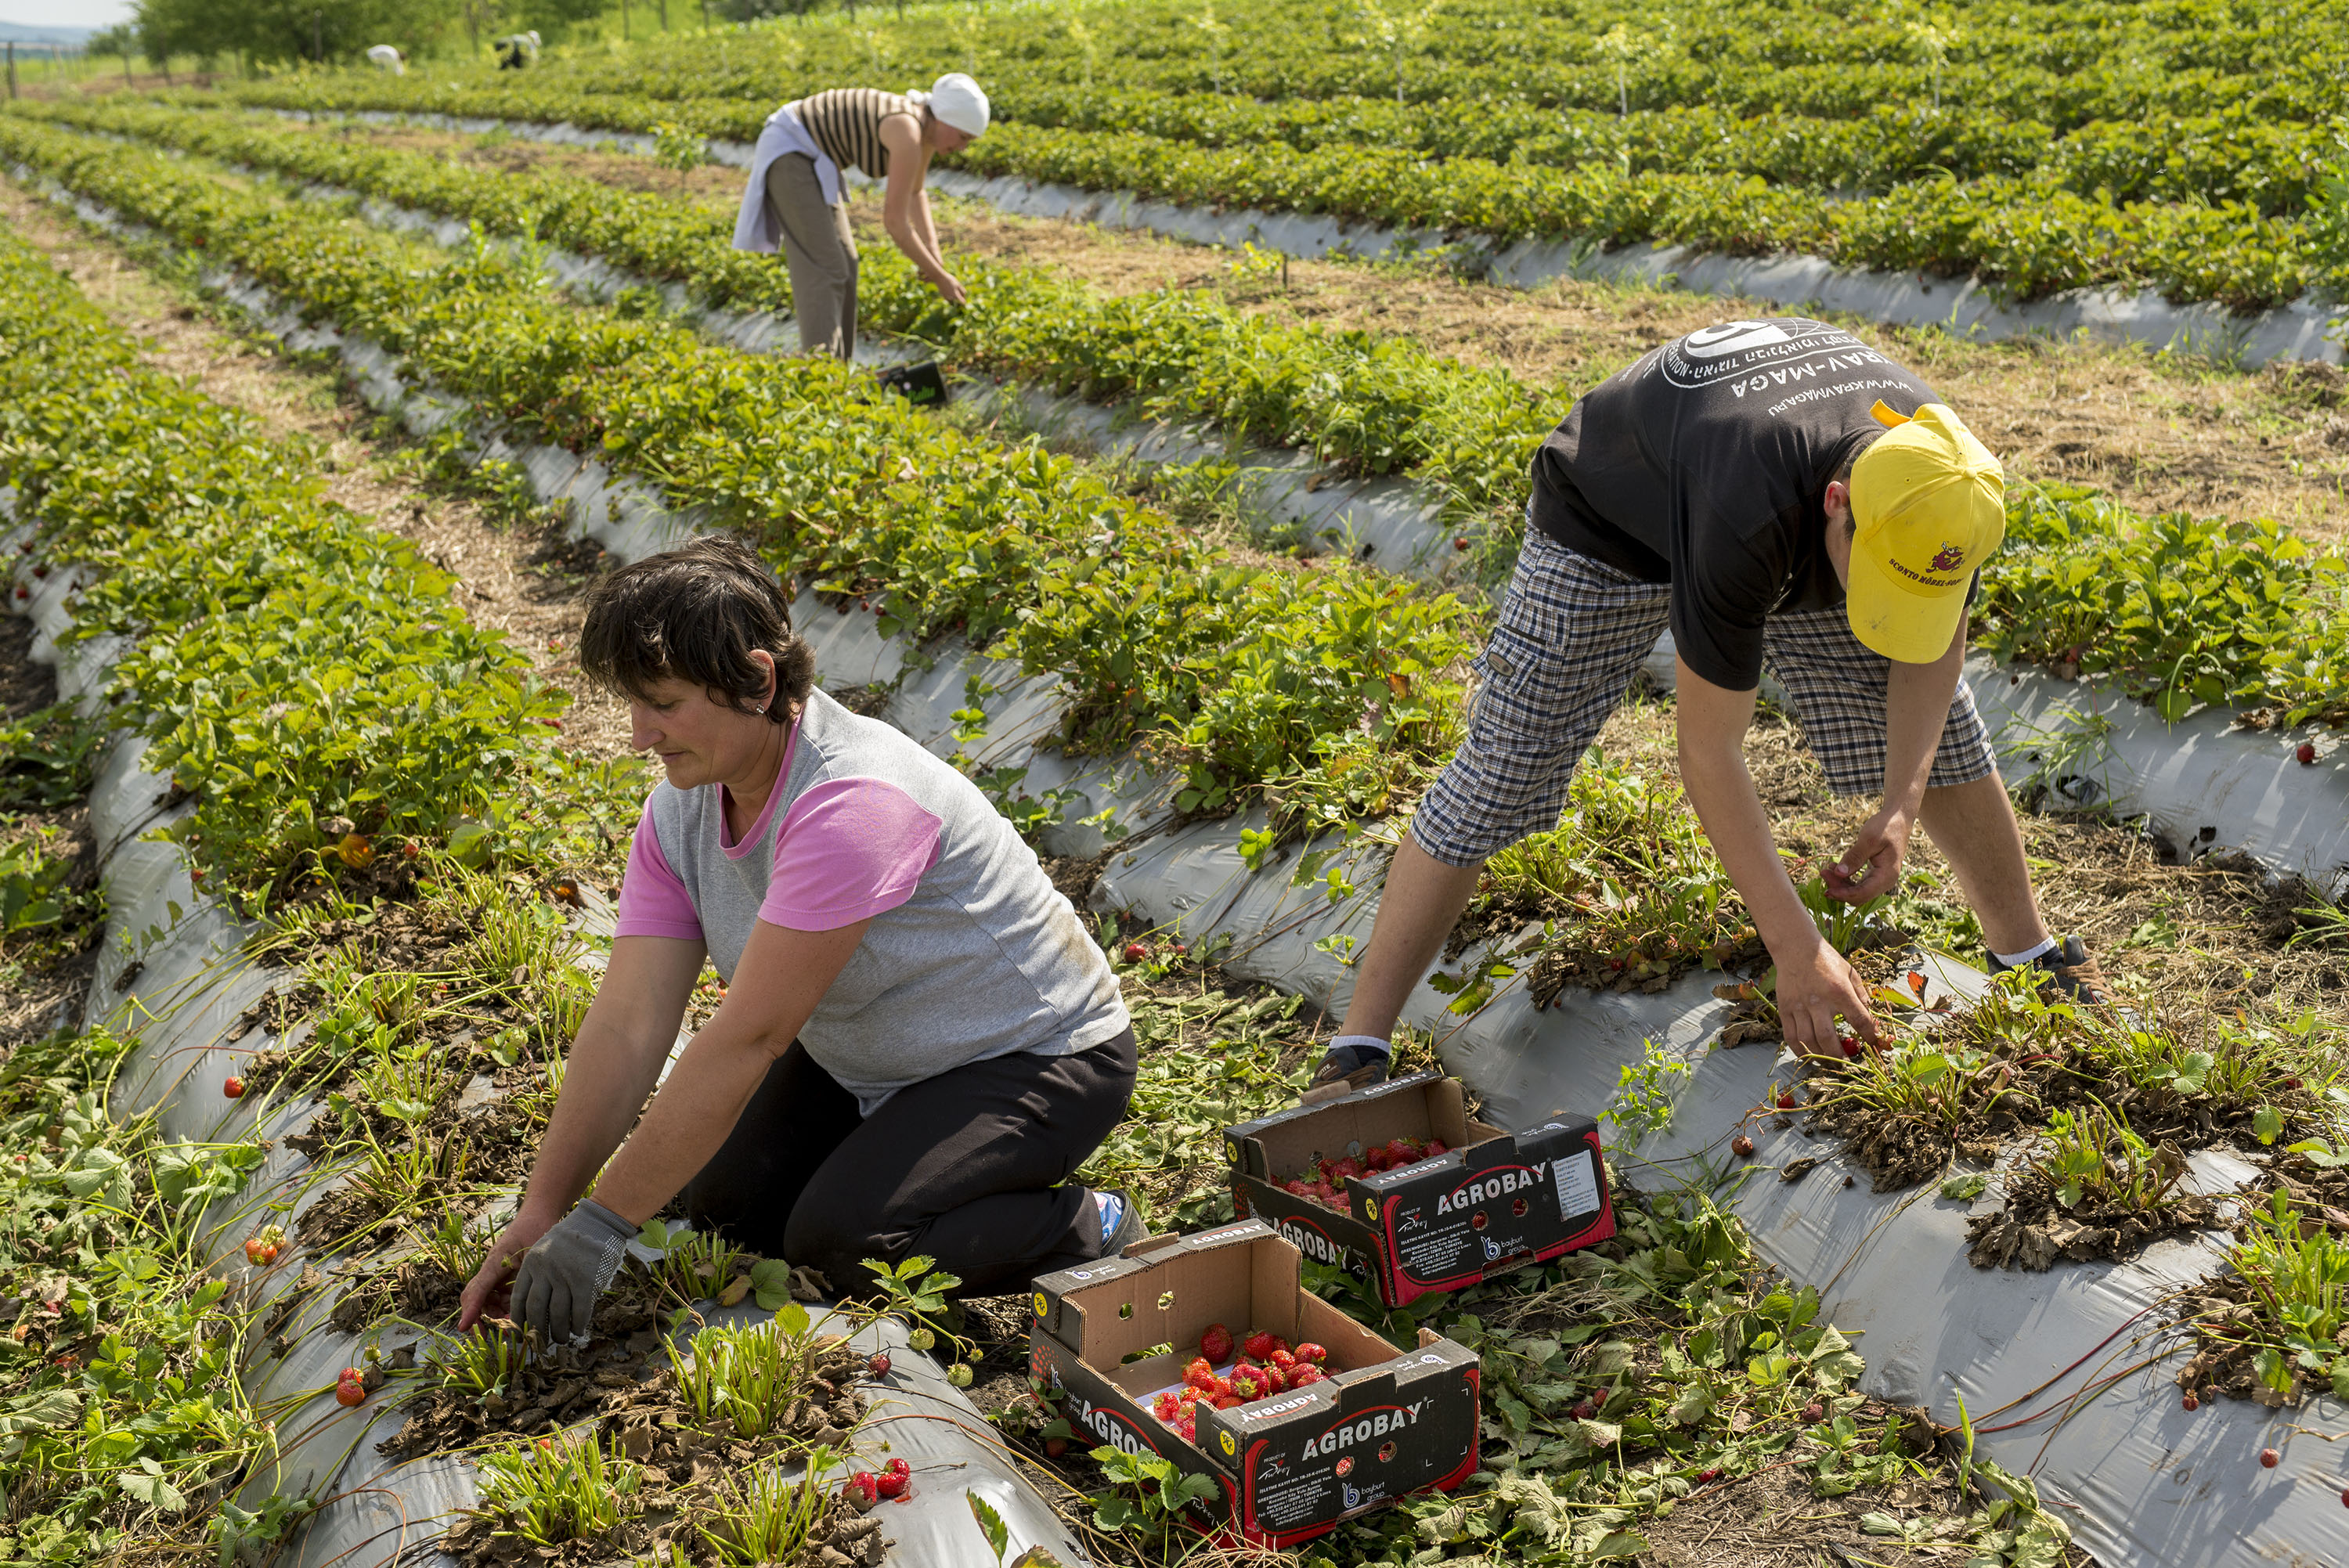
x: 765, y: 661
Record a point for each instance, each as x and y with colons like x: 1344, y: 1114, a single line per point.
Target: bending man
x: 1777, y: 493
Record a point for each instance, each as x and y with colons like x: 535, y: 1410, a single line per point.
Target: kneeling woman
x: 919, y: 1042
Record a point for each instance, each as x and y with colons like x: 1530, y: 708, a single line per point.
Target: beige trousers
x: 821, y: 251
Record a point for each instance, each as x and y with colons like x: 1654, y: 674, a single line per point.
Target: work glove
x: 1354, y: 1062
x: 560, y: 1279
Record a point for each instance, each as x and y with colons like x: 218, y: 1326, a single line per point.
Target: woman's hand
x: 949, y: 287
x: 497, y: 1271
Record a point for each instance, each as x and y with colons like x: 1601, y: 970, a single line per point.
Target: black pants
x: 960, y: 1167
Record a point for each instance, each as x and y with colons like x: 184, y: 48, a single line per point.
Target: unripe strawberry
x: 959, y: 1374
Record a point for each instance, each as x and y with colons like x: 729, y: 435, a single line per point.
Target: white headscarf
x: 955, y: 99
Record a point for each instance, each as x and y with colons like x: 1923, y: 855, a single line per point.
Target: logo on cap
x: 1951, y: 557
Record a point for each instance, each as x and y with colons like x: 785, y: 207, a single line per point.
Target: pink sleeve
x: 849, y: 850
x: 653, y: 902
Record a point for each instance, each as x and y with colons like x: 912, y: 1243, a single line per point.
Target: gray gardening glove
x: 560, y: 1279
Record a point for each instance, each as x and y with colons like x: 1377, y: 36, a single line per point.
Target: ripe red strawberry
x: 1297, y: 1187
x: 878, y: 1365
x: 1055, y: 1447
x: 1228, y: 1401
x: 1259, y: 1345
x: 1437, y: 1146
x: 1284, y: 1359
x: 1215, y: 1345
x: 2270, y: 1458
x: 892, y: 1482
x: 1306, y: 1376
x: 1166, y: 1407
x: 863, y: 1489
x: 1850, y: 1046
x: 1461, y: 543
x: 1199, y: 1375
x: 2192, y: 1403
x: 1249, y: 1383
x: 1403, y: 1150
x: 1189, y: 1430
x: 1276, y: 1377
x: 1135, y: 953
x: 1345, y: 1170
x: 233, y: 1086
x: 1583, y: 1410
x: 1786, y: 1099
x: 347, y: 1394
x: 2306, y: 752
x: 1308, y: 1351
x: 1707, y: 1477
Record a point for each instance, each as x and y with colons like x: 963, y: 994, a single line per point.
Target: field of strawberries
x: 247, y: 722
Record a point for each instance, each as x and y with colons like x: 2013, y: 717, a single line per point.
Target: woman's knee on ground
x: 835, y: 1240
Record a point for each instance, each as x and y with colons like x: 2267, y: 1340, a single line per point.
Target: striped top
x: 846, y: 123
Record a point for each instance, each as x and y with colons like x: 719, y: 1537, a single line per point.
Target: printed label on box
x: 1577, y: 1183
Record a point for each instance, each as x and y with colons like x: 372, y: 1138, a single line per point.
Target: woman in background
x: 793, y: 199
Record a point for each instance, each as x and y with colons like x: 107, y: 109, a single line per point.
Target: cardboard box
x: 1496, y: 1202
x: 1289, y: 1467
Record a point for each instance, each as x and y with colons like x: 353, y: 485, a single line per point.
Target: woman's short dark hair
x: 697, y: 614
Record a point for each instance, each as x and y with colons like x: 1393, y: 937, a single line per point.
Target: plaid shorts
x: 1572, y: 633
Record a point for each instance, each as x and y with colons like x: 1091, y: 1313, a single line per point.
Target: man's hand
x: 1872, y: 864
x: 949, y: 288
x: 1814, y: 985
x: 498, y: 1269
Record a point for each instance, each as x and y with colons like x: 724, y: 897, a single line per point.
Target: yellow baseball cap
x: 1928, y: 505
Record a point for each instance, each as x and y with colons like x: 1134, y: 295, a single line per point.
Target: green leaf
x: 2267, y: 1124
x: 990, y: 1524
x: 1966, y: 1186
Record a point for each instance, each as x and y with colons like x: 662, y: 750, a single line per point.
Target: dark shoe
x: 2068, y: 974
x: 1344, y: 1070
x: 1130, y: 1226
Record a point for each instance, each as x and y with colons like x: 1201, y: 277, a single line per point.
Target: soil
x: 620, y: 1392
x: 2033, y: 1231
x: 43, y: 974
x: 2158, y: 431
x: 1774, y: 1518
x: 2205, y: 931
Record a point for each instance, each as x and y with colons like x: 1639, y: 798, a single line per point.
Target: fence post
x: 11, y: 71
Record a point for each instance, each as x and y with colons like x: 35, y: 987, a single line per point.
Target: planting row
x: 1328, y: 680
x: 2184, y: 611
x: 285, y: 666
x: 2030, y: 233
x: 2064, y: 64
x: 1376, y: 404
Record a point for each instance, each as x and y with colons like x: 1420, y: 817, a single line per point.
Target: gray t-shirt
x: 972, y: 953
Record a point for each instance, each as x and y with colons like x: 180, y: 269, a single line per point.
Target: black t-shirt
x: 1706, y: 465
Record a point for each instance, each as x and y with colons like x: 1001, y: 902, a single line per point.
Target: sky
x: 64, y: 12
